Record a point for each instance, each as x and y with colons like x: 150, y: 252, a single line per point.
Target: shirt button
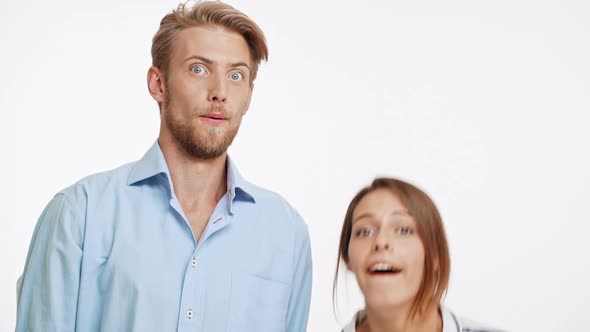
x: 189, y: 313
x: 194, y: 262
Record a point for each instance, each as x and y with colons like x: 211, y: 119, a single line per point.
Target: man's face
x: 207, y: 89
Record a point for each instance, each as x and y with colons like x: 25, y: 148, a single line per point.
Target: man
x: 177, y: 240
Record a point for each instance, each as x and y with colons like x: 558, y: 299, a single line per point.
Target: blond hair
x: 207, y: 13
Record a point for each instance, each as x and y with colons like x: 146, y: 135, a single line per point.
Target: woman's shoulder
x: 455, y: 323
x: 451, y: 323
x: 357, y: 319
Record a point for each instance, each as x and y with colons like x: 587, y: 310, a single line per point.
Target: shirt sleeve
x: 47, y: 291
x: 300, y: 298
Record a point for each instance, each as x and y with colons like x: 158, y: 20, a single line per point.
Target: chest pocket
x: 257, y: 304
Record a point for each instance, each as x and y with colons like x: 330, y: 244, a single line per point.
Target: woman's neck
x: 398, y: 320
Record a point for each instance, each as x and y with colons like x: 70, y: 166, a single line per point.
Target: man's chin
x: 204, y: 152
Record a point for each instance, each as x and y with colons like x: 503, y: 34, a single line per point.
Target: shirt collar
x: 237, y: 187
x: 449, y: 321
x: 153, y: 164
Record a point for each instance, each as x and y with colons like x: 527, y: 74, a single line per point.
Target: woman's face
x: 385, y: 251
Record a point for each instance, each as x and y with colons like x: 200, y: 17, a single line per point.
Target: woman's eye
x: 236, y: 76
x: 199, y: 70
x: 406, y: 230
x: 364, y: 232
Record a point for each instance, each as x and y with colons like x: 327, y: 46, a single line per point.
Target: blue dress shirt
x: 115, y: 252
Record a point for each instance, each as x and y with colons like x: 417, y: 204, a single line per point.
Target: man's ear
x: 156, y: 84
x: 249, y: 99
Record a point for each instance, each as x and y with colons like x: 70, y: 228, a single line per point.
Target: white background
x: 484, y: 104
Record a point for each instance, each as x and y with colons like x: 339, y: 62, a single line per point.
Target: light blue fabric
x: 114, y: 252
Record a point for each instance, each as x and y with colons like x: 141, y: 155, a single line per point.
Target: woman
x: 393, y: 240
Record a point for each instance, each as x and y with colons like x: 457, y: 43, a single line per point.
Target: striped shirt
x: 450, y: 322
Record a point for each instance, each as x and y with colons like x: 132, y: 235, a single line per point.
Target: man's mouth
x: 214, y: 119
x: 215, y: 116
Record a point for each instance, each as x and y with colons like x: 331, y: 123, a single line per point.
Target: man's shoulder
x: 101, y: 182
x: 274, y: 202
x: 266, y: 196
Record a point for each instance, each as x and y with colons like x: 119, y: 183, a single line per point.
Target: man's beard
x: 207, y: 143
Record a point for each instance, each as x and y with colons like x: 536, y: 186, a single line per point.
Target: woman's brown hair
x: 437, y: 264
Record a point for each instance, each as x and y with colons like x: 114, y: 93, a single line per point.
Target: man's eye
x: 236, y: 76
x: 199, y: 70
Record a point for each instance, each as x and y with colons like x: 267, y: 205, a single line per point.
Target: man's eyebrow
x: 239, y: 64
x: 198, y: 57
x: 209, y: 61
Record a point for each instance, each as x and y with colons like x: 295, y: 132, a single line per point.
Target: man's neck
x: 196, y: 181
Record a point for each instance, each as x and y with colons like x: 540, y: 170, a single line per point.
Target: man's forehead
x: 213, y: 42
